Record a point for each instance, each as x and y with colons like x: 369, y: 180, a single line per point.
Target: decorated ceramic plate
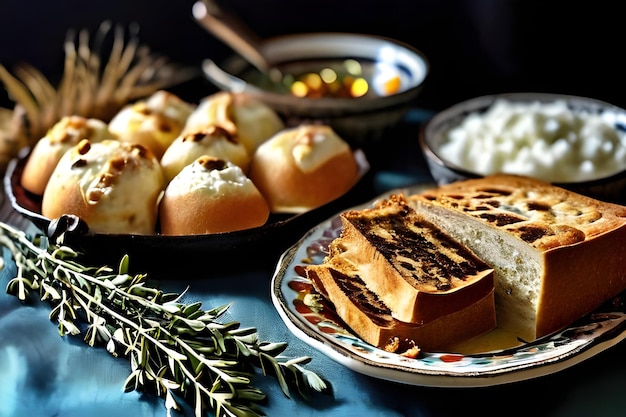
x: 323, y: 330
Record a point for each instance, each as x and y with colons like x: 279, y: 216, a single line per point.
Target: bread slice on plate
x: 410, y: 263
x: 372, y: 321
x: 557, y: 255
x: 392, y: 273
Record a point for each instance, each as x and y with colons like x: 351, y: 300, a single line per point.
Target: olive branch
x: 176, y: 350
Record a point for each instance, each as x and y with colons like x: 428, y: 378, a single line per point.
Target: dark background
x: 474, y: 47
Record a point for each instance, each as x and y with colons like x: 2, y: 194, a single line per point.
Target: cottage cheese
x: 544, y: 140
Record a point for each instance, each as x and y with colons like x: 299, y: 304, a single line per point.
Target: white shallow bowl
x: 357, y: 119
x: 433, y: 134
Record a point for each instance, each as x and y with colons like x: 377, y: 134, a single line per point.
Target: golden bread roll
x: 249, y: 120
x: 211, y: 195
x: 153, y: 123
x: 113, y: 186
x: 302, y: 168
x: 47, y: 152
x: 212, y: 141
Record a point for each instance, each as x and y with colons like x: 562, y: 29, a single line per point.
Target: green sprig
x: 176, y: 350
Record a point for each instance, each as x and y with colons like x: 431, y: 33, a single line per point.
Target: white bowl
x: 433, y: 134
x: 356, y: 119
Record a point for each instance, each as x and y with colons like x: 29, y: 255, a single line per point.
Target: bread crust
x: 40, y: 165
x: 561, y: 217
x: 578, y: 278
x: 192, y: 214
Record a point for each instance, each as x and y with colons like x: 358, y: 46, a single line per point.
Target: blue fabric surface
x: 44, y: 374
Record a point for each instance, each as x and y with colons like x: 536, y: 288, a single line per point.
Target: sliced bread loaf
x: 391, y: 274
x: 371, y: 319
x: 557, y: 255
x: 417, y: 270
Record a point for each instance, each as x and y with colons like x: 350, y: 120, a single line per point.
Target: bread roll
x: 153, y: 123
x: 113, y: 186
x: 247, y: 119
x: 302, y: 168
x: 212, y: 141
x: 47, y: 152
x: 211, y: 195
x: 557, y: 255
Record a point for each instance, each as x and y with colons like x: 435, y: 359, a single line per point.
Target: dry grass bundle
x: 90, y: 86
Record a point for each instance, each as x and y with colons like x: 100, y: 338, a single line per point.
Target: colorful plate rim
x: 584, y: 339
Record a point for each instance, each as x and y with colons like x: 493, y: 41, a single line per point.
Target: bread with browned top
x: 250, y: 121
x: 302, y: 168
x: 113, y: 186
x: 210, y: 141
x: 153, y: 122
x: 557, y: 255
x: 47, y: 152
x: 211, y: 195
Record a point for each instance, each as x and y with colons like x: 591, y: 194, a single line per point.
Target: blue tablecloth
x: 43, y: 374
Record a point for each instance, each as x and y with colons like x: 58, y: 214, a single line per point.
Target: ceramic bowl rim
x: 220, y: 74
x: 481, y: 103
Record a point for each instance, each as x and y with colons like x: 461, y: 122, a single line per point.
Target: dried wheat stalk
x: 89, y: 86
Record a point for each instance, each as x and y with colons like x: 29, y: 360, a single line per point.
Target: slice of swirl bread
x: 391, y: 263
x: 372, y: 321
x: 557, y: 255
x: 409, y: 263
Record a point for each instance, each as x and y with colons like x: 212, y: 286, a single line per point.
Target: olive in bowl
x: 577, y: 143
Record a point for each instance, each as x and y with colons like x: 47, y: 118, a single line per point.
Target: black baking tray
x: 191, y: 256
